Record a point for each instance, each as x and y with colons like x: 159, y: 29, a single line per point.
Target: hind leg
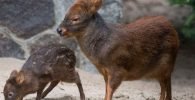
x: 51, y: 86
x: 166, y: 67
x: 165, y: 85
x: 168, y: 89
x: 80, y: 87
x: 75, y: 78
x: 163, y: 90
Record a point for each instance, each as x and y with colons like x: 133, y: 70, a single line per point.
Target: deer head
x: 78, y: 17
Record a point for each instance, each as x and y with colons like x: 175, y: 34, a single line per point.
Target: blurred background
x: 26, y: 25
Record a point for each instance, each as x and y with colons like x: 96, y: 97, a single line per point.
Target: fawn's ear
x: 13, y: 74
x: 20, y: 78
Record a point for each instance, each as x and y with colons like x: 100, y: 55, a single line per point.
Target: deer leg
x: 112, y: 84
x: 79, y: 85
x: 51, y: 86
x: 82, y: 95
x: 106, y: 85
x: 168, y: 89
x: 39, y: 92
x: 163, y: 89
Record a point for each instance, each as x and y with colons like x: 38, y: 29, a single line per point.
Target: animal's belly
x: 146, y: 72
x: 135, y: 74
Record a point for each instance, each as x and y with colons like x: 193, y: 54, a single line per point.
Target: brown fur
x: 50, y: 64
x: 146, y: 48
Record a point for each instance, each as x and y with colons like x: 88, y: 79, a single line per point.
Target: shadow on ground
x: 60, y: 98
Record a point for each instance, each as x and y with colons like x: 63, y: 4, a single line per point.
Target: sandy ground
x: 183, y: 84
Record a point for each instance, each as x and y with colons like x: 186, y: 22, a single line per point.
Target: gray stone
x: 111, y: 11
x: 61, y: 7
x: 134, y: 9
x: 27, y: 18
x: 8, y: 47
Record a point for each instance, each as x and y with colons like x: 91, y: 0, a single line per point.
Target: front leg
x: 51, y: 86
x: 39, y: 92
x: 112, y: 83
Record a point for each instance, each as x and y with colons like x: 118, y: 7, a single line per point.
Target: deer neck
x: 94, y: 37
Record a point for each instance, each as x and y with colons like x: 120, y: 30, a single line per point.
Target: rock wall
x: 26, y: 18
x: 8, y: 47
x: 28, y: 24
x: 134, y: 9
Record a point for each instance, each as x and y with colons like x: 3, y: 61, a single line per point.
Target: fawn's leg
x: 39, y: 92
x: 80, y: 87
x: 51, y: 86
x: 112, y: 83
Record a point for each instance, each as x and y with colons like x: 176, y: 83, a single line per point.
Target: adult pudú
x: 146, y: 48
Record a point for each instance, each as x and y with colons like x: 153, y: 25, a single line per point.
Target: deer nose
x: 59, y: 30
x: 62, y: 31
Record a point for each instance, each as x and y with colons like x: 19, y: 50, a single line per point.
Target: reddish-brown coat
x: 146, y: 48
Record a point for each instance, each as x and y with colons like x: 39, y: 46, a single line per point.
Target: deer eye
x: 75, y: 19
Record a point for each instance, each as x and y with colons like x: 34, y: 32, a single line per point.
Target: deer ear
x: 94, y: 5
x: 13, y: 74
x: 20, y: 78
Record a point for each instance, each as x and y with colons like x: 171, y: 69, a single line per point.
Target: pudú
x: 144, y: 49
x: 50, y: 64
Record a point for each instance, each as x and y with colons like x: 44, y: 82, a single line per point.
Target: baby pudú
x: 50, y: 64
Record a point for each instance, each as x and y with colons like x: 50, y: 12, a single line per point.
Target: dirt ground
x: 183, y: 84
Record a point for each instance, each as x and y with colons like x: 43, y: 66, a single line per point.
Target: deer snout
x: 61, y: 31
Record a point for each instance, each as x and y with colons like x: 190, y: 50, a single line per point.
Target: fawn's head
x: 78, y: 17
x: 16, y: 86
